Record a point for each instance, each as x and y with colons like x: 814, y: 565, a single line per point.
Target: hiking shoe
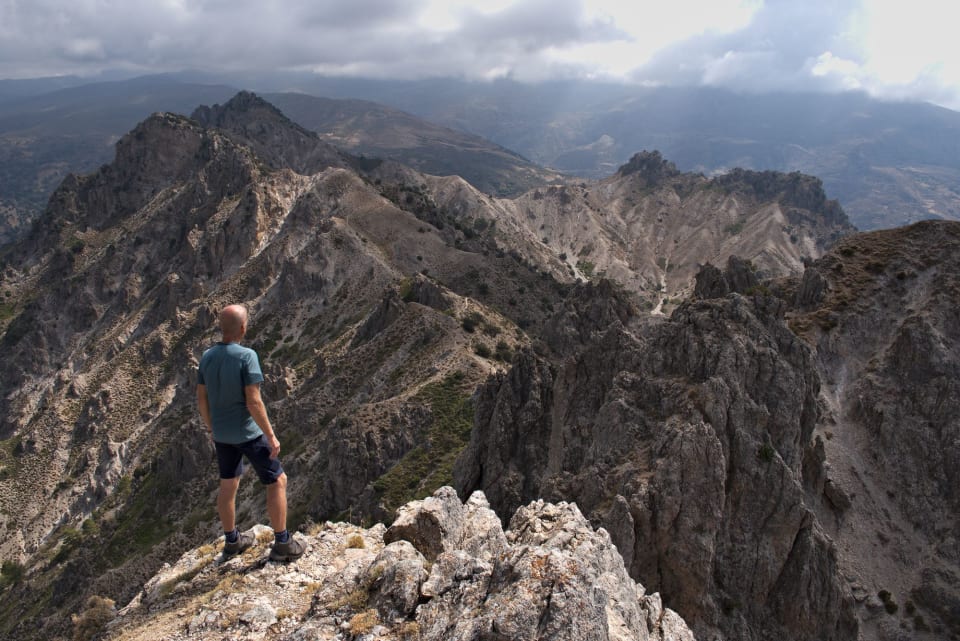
x: 243, y: 542
x: 288, y: 551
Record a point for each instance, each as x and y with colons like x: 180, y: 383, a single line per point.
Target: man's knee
x: 281, y: 481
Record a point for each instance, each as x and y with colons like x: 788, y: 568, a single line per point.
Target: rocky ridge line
x: 443, y: 571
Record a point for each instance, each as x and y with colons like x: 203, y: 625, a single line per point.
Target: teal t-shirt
x: 225, y: 369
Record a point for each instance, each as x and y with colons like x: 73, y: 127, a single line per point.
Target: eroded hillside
x: 381, y: 299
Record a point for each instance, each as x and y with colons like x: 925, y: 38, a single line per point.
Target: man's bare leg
x: 227, y: 503
x: 277, y: 503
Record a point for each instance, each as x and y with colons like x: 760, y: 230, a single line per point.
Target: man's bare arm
x: 259, y: 413
x: 204, y: 405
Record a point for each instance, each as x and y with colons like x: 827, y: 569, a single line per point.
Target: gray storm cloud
x: 787, y: 45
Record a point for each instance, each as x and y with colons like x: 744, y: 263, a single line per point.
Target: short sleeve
x: 251, y: 369
x: 203, y: 359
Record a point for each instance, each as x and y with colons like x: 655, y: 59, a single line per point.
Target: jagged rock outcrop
x: 276, y: 140
x: 689, y: 440
x: 803, y: 195
x: 650, y: 166
x: 738, y: 277
x: 444, y: 571
x: 650, y: 227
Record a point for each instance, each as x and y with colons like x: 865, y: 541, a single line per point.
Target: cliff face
x: 689, y: 440
x: 777, y: 458
x: 881, y: 309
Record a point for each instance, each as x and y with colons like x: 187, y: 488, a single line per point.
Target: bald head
x: 233, y: 322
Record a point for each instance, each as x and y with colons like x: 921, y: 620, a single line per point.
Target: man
x: 228, y: 393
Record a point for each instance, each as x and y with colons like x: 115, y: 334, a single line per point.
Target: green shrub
x: 471, y: 321
x: 765, y: 453
x: 430, y: 465
x: 734, y: 229
x: 888, y: 603
x: 98, y: 613
x: 11, y: 573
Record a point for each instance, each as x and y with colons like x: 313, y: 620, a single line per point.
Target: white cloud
x: 888, y: 48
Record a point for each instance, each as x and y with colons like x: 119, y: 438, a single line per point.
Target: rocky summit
x: 710, y: 387
x: 443, y: 570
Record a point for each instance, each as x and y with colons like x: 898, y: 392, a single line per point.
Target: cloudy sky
x: 893, y: 49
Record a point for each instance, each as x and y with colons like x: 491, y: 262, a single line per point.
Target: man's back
x: 226, y: 369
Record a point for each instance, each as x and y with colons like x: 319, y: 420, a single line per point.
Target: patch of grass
x: 430, y: 465
x: 7, y: 311
x: 94, y: 619
x: 355, y: 600
x: 491, y: 330
x: 356, y: 541
x: 758, y: 290
x: 586, y: 268
x: 363, y: 623
x: 139, y: 526
x: 734, y: 229
x: 11, y: 573
x: 409, y: 631
x: 406, y: 290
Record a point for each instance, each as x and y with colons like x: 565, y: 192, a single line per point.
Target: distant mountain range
x: 887, y: 163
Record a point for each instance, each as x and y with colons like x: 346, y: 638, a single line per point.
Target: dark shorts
x: 230, y: 460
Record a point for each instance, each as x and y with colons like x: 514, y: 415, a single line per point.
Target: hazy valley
x: 887, y: 163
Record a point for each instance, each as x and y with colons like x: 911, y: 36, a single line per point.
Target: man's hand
x: 274, y: 446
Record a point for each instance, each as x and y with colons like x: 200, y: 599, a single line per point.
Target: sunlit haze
x: 889, y: 49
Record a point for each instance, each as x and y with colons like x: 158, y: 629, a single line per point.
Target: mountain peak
x: 444, y: 570
x: 650, y: 165
x: 793, y: 189
x: 277, y: 140
x: 242, y: 106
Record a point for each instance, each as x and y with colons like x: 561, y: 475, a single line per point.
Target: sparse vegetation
x: 765, y: 453
x: 470, y: 322
x: 481, y: 350
x: 430, y: 465
x: 11, y: 573
x: 586, y: 268
x: 735, y: 228
x: 758, y: 290
x: 94, y: 619
x: 409, y: 631
x: 363, y: 623
x: 503, y: 352
x: 356, y: 541
x: 888, y: 603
